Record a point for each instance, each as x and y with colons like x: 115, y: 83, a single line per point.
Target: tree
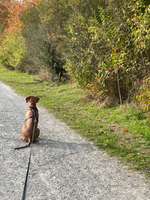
x: 4, y: 15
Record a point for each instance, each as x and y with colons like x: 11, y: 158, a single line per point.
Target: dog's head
x: 32, y: 100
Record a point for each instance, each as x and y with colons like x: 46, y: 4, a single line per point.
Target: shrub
x: 12, y: 50
x: 143, y: 97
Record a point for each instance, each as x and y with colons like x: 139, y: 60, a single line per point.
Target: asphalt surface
x: 64, y: 166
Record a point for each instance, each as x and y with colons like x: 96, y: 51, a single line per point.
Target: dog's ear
x: 27, y: 99
x: 37, y: 99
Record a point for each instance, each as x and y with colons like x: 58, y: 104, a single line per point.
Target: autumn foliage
x: 11, y: 12
x: 12, y: 43
x: 103, y: 46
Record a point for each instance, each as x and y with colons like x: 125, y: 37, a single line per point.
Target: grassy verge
x: 122, y: 131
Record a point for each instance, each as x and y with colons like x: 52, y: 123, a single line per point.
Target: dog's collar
x: 32, y: 107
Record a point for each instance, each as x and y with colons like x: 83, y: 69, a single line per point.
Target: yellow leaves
x: 118, y: 58
x: 143, y: 98
x: 12, y: 50
x: 94, y: 90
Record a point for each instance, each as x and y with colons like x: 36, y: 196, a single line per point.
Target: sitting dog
x: 30, y: 131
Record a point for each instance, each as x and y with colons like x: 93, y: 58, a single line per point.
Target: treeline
x: 103, y: 45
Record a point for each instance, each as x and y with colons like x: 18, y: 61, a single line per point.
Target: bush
x: 12, y: 50
x: 87, y: 48
x: 108, y: 52
x: 143, y: 97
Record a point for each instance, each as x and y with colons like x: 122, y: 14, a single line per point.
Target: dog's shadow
x: 56, y: 144
x: 65, y: 150
x: 44, y: 142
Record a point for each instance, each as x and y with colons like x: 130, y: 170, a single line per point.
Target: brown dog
x: 30, y: 131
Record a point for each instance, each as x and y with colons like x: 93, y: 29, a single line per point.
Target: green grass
x: 122, y: 131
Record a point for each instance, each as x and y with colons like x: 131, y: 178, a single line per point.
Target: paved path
x: 63, y: 165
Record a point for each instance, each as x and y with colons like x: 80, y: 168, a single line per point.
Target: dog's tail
x: 23, y: 147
